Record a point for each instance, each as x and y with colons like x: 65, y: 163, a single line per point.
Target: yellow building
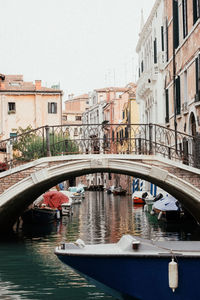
x: 128, y: 128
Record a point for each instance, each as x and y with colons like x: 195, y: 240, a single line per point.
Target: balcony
x: 144, y: 85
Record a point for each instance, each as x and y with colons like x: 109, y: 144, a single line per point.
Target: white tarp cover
x: 166, y: 203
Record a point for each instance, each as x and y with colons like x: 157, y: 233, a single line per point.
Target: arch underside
x: 14, y: 200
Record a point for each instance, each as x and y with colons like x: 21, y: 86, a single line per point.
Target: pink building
x: 74, y: 108
x: 182, y: 84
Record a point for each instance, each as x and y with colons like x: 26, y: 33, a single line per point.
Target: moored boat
x: 119, y: 191
x: 168, y: 209
x: 141, y: 197
x: 138, y: 268
x: 38, y: 215
x: 55, y: 199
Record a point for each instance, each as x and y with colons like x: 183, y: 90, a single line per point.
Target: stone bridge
x: 20, y: 186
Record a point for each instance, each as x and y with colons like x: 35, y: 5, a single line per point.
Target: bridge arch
x: 15, y: 199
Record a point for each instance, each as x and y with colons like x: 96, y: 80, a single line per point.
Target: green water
x: 30, y: 270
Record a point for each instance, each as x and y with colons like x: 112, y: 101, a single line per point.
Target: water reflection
x: 30, y: 270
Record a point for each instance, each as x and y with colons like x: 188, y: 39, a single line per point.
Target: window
x: 167, y: 106
x: 197, y: 63
x: 196, y: 10
x: 175, y: 24
x: 167, y: 42
x: 13, y: 134
x: 11, y: 107
x: 113, y: 135
x: 178, y: 96
x: 78, y: 118
x: 142, y: 66
x: 184, y: 10
x: 52, y: 107
x: 185, y: 78
x: 162, y: 38
x: 155, y: 50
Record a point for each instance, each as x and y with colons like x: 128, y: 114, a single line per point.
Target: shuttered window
x: 52, y: 107
x: 162, y: 38
x: 155, y: 51
x: 167, y: 105
x: 196, y: 10
x: 175, y: 24
x: 178, y: 96
x: 142, y: 66
x: 184, y: 11
x: 197, y: 63
x: 167, y: 42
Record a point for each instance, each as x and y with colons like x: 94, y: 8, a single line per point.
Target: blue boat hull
x: 143, y: 277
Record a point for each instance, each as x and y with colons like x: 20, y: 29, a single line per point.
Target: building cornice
x: 16, y: 92
x: 144, y: 32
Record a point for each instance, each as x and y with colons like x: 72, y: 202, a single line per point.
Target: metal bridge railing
x: 105, y: 138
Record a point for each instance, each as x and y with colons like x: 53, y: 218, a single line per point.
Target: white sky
x: 83, y: 44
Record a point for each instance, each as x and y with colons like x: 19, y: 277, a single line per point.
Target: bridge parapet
x: 105, y: 138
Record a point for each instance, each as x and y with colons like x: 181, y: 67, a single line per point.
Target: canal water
x: 30, y: 270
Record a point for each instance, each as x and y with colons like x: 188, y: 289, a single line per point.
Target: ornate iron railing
x: 105, y: 138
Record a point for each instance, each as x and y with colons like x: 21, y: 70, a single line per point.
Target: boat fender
x: 173, y: 275
x: 145, y: 207
x: 159, y: 215
x: 58, y: 214
x: 80, y: 243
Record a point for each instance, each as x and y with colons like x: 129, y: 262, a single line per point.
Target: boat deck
x: 131, y: 246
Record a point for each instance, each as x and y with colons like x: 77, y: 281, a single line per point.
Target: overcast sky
x: 83, y: 44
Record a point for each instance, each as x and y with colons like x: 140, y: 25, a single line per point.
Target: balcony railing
x: 147, y: 139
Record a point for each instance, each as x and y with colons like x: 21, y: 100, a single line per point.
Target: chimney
x: 2, y: 83
x: 38, y: 84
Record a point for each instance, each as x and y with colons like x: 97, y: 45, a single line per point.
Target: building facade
x: 74, y: 109
x: 182, y: 82
x: 24, y: 104
x: 151, y: 75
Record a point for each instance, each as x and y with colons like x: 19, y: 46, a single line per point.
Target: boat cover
x: 55, y: 199
x: 76, y: 189
x: 166, y: 203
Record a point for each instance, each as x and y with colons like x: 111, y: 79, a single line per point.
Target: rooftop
x: 15, y: 83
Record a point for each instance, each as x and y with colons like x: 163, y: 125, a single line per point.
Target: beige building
x: 24, y: 104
